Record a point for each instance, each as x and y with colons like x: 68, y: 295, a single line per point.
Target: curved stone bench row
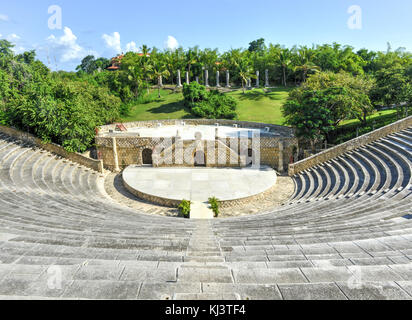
x: 345, y: 217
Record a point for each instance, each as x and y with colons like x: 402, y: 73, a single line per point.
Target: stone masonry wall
x: 130, y: 146
x: 130, y: 149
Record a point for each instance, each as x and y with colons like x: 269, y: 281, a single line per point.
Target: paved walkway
x: 200, y: 210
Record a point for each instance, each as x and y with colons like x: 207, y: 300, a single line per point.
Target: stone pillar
x: 257, y: 79
x: 217, y: 79
x: 187, y: 78
x: 227, y: 79
x: 197, y: 79
x: 179, y: 80
x: 249, y: 83
x: 207, y: 78
x: 267, y: 78
x: 281, y: 163
x: 115, y: 156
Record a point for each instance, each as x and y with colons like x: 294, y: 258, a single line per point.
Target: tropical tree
x: 244, y: 69
x: 159, y: 70
x: 304, y: 62
x: 284, y: 60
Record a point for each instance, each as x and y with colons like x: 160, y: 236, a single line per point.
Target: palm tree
x: 192, y: 57
x: 146, y: 64
x: 159, y: 70
x: 304, y: 62
x: 243, y: 66
x: 284, y: 59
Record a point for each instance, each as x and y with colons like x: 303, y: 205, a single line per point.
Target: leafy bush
x: 194, y: 93
x: 57, y: 107
x: 209, y: 105
x: 184, y: 208
x: 214, y: 203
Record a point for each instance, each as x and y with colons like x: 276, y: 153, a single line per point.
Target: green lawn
x: 254, y: 105
x: 376, y: 116
x: 169, y: 106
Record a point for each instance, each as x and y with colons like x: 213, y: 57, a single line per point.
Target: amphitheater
x: 346, y: 233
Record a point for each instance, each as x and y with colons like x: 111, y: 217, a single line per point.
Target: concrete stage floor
x: 199, y: 184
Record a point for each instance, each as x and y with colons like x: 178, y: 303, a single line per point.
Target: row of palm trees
x: 286, y: 65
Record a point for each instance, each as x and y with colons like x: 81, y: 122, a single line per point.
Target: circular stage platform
x: 169, y: 186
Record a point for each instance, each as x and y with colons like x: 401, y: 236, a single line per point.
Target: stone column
x: 187, y: 78
x: 249, y: 83
x: 217, y: 79
x: 115, y: 156
x: 207, y: 78
x: 179, y: 80
x: 227, y: 79
x: 267, y: 78
x: 281, y: 163
x: 257, y: 79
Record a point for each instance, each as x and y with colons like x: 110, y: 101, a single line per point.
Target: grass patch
x: 168, y: 106
x: 255, y: 105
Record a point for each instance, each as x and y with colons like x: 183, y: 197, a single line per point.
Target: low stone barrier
x: 284, y: 131
x: 96, y: 165
x: 353, y: 144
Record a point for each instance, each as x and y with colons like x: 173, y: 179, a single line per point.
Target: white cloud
x: 16, y: 40
x: 67, y: 47
x: 113, y: 42
x: 3, y: 17
x: 13, y: 37
x: 131, y: 46
x: 171, y: 43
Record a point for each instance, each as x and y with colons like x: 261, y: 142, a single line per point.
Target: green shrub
x: 214, y: 203
x: 184, y: 208
x: 194, y: 93
x: 209, y: 105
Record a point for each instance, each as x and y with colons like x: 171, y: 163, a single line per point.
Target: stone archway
x: 251, y: 157
x: 147, y: 156
x: 200, y: 159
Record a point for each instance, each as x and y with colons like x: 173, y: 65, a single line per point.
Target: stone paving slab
x: 268, y: 276
x: 245, y: 291
x: 204, y: 274
x: 327, y: 274
x: 206, y: 296
x: 374, y: 291
x: 117, y: 290
x: 150, y: 275
x: 166, y: 291
x: 312, y: 291
x: 406, y: 285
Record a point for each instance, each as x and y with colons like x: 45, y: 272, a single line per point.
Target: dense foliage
x: 54, y: 108
x: 208, y: 104
x: 327, y: 98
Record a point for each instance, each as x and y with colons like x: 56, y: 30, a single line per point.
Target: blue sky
x: 104, y: 27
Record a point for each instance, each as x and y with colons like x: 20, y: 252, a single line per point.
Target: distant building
x: 116, y: 62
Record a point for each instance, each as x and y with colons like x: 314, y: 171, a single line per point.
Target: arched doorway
x: 200, y: 159
x: 147, y: 156
x: 250, y: 155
